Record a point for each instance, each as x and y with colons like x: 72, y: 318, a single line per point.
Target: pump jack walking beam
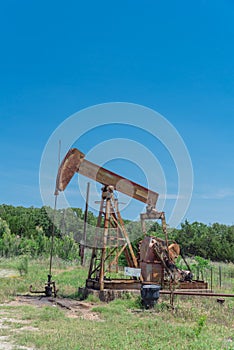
x: 74, y: 162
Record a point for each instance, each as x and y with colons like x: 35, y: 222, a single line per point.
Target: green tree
x: 4, y: 227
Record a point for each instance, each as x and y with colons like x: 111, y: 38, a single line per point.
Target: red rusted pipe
x: 197, y: 293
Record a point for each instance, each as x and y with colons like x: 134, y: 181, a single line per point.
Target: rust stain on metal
x: 74, y: 162
x: 67, y: 169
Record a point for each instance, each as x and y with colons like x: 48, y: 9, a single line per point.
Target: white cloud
x: 219, y: 194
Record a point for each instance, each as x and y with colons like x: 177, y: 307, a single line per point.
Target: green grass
x: 197, y: 323
x: 189, y: 327
x: 68, y: 276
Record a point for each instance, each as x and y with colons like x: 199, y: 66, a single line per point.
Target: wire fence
x: 218, y: 276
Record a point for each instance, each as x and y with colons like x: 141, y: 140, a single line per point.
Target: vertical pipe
x: 82, y: 247
x: 103, y: 256
x: 117, y: 239
x: 164, y: 227
x: 143, y: 226
x: 52, y: 237
x: 54, y: 215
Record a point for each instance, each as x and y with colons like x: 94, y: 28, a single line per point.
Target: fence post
x: 220, y: 277
x: 211, y: 279
x: 198, y: 273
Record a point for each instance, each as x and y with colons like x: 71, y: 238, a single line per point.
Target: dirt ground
x: 72, y: 308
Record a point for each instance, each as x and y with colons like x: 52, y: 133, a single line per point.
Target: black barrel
x: 149, y: 295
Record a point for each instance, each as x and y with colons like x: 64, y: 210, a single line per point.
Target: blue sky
x: 177, y: 58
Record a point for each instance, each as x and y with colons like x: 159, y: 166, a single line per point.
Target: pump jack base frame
x: 126, y: 284
x: 117, y: 288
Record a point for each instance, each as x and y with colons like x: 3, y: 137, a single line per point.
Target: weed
x: 161, y: 307
x: 127, y: 296
x: 23, y: 265
x: 92, y: 298
x: 200, y: 325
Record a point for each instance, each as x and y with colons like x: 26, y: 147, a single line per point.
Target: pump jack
x: 157, y: 257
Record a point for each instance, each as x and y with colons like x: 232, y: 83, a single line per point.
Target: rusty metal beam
x: 74, y: 162
x: 201, y: 294
x: 70, y: 164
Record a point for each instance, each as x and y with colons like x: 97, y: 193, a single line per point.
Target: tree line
x: 27, y: 231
